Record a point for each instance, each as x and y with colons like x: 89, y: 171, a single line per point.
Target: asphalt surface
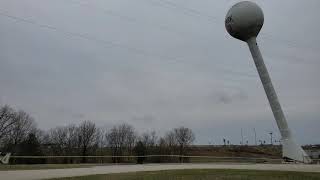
x: 55, y: 173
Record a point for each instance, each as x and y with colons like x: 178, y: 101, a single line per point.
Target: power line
x: 85, y: 36
x: 167, y: 28
x: 188, y: 10
x: 212, y: 19
x: 129, y: 19
x: 110, y: 44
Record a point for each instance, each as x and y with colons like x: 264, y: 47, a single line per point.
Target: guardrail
x: 133, y: 159
x: 147, y: 159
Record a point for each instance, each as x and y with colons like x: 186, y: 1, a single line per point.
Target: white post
x: 268, y: 87
x: 289, y: 146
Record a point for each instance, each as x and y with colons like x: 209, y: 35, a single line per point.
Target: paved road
x: 55, y: 173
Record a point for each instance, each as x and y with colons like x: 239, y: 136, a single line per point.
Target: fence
x: 133, y: 159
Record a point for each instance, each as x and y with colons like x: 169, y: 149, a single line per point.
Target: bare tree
x: 71, y: 139
x: 170, y: 142
x: 114, y: 143
x: 162, y: 146
x: 7, y: 119
x: 131, y: 139
x: 58, y: 140
x: 184, y: 137
x: 64, y: 139
x: 87, y: 132
x: 43, y: 136
x: 149, y: 139
x: 32, y: 147
x: 23, y: 125
x: 100, y: 140
x: 121, y: 138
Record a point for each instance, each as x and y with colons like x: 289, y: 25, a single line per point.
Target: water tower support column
x: 268, y: 88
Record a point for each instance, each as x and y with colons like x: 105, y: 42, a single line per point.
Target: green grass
x: 43, y: 166
x: 203, y: 174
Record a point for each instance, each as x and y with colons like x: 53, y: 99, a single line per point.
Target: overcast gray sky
x: 159, y: 64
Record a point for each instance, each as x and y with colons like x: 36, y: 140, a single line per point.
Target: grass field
x: 204, y: 174
x: 43, y: 166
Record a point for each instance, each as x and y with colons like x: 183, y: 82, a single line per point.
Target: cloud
x: 226, y: 98
x: 144, y: 119
x: 158, y: 67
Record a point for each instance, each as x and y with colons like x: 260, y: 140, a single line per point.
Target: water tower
x: 244, y: 21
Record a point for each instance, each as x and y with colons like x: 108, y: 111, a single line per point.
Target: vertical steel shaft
x: 268, y: 87
x: 290, y: 149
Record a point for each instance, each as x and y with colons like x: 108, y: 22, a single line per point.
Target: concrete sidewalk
x: 55, y: 173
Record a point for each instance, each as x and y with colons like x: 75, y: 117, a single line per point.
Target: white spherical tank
x: 244, y: 20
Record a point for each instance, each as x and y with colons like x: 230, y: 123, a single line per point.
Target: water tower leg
x: 290, y: 149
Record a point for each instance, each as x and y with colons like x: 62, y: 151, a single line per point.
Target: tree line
x: 20, y: 135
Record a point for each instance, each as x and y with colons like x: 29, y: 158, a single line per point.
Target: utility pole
x: 270, y: 137
x: 241, y: 137
x: 255, y: 136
